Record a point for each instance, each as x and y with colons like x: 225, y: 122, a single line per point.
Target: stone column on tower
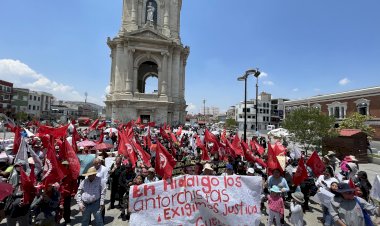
x: 119, y: 68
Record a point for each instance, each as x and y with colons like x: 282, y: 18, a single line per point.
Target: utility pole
x: 204, y: 109
x: 85, y: 94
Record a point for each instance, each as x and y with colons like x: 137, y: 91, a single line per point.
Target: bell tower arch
x: 148, y: 45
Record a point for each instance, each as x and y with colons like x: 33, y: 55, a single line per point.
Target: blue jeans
x: 327, y: 217
x: 94, y: 209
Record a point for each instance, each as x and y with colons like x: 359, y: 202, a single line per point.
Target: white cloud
x: 107, y: 89
x: 21, y: 75
x: 191, y: 108
x: 317, y: 89
x: 269, y: 83
x: 295, y: 90
x: 344, y: 81
x: 263, y: 74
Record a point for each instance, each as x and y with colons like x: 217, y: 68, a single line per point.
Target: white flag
x: 375, y: 192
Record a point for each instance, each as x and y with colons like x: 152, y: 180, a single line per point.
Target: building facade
x: 263, y: 116
x: 148, y: 45
x: 20, y: 100
x: 277, y: 111
x: 34, y: 104
x: 340, y: 105
x: 6, y: 90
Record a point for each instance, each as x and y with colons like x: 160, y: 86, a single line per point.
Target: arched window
x: 362, y: 106
x: 337, y: 109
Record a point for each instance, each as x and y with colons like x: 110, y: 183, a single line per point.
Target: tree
x: 308, y: 126
x: 358, y: 121
x: 230, y: 123
x: 21, y: 116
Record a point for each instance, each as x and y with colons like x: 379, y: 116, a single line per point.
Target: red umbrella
x: 103, y: 146
x: 86, y: 143
x: 6, y: 190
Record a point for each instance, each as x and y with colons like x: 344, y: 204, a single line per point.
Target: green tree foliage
x: 308, y: 126
x: 230, y: 123
x: 21, y: 116
x: 358, y: 121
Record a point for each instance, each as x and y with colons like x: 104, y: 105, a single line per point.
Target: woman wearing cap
x: 348, y: 210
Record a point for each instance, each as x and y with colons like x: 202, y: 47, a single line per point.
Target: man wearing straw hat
x: 90, y: 197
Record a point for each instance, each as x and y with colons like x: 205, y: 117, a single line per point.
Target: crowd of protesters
x: 43, y: 170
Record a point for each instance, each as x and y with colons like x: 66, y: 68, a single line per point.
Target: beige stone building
x: 148, y: 45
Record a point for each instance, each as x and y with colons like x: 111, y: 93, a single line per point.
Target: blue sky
x: 304, y: 48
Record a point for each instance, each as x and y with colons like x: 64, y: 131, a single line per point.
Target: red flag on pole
x: 174, y: 139
x: 209, y: 137
x: 52, y: 170
x: 272, y: 160
x: 179, y: 131
x: 74, y: 139
x: 165, y: 162
x: 27, y: 185
x: 164, y: 134
x: 55, y: 132
x: 93, y: 125
x: 236, y: 145
x: 131, y: 153
x: 247, y: 153
x: 138, y: 121
x: 17, y: 139
x: 316, y: 164
x: 144, y: 156
x: 279, y: 149
x: 259, y: 149
x: 101, y: 125
x: 301, y: 173
x: 71, y: 157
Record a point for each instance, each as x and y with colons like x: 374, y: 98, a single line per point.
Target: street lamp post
x: 256, y: 73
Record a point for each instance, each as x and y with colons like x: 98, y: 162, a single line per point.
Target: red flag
x: 27, y: 185
x: 247, y: 153
x: 174, y: 139
x: 205, y: 156
x: 209, y: 137
x: 101, y: 125
x: 165, y: 162
x: 144, y: 156
x: 236, y: 145
x: 230, y: 149
x: 151, y: 124
x: 148, y: 141
x: 138, y: 121
x: 179, y: 131
x: 131, y: 153
x: 164, y: 134
x: 351, y: 184
x: 272, y: 160
x: 101, y: 137
x: 301, y: 173
x: 71, y: 157
x: 17, y: 139
x: 55, y: 132
x: 259, y: 149
x: 93, y: 125
x: 279, y: 149
x: 316, y: 164
x: 52, y: 170
x: 122, y: 149
x: 74, y: 139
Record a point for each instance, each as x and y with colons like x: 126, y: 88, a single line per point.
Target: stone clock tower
x: 148, y: 45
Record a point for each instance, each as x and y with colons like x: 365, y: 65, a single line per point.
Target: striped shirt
x: 89, y: 192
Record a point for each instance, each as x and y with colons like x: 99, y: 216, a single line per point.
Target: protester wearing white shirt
x: 325, y: 180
